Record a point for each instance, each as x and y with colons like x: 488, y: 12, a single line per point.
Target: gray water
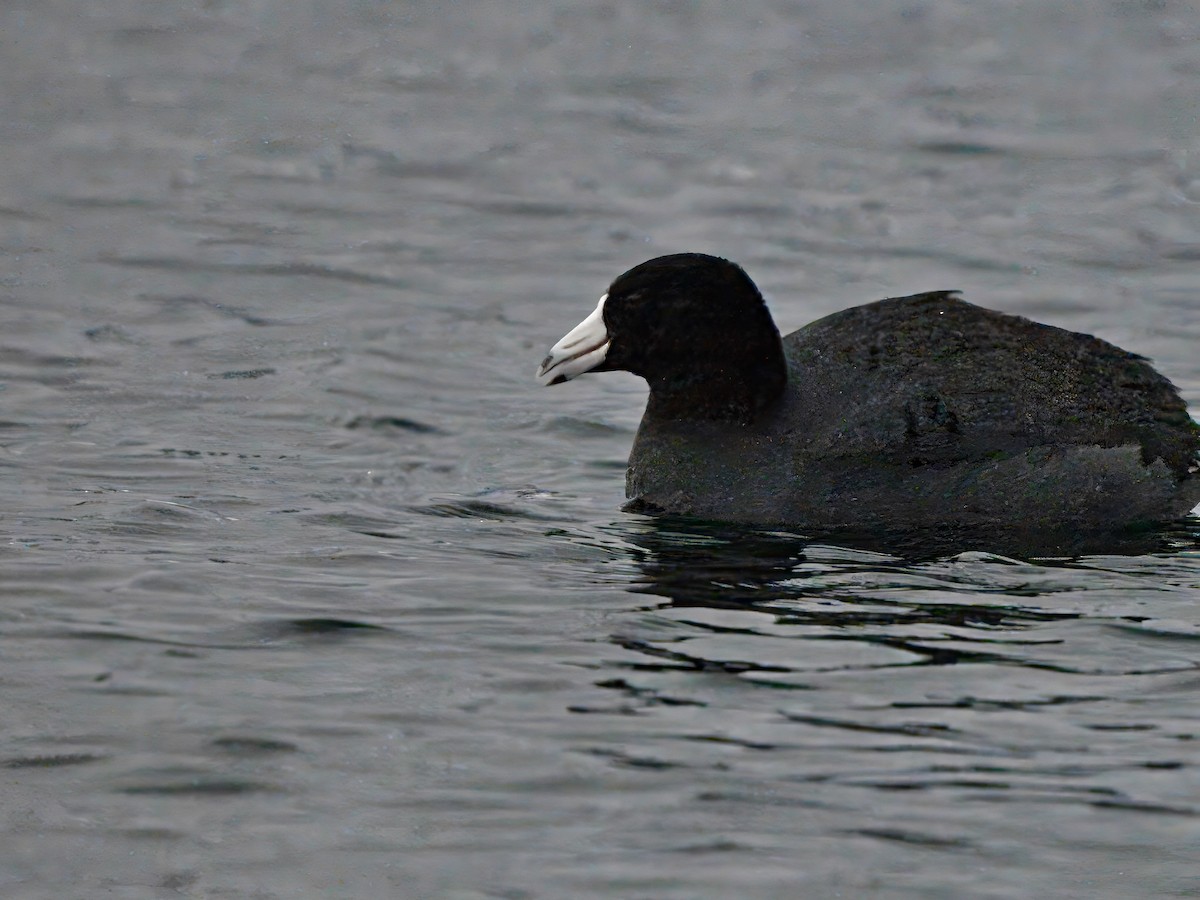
x: 309, y: 590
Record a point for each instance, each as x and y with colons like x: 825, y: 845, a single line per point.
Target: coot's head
x: 694, y: 326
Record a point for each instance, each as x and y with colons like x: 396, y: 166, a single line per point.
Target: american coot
x: 910, y: 412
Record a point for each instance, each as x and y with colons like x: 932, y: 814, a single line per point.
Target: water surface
x: 310, y: 590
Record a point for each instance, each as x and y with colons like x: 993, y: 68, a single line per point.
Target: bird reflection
x: 695, y: 563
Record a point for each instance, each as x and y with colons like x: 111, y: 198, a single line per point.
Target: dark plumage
x: 916, y: 411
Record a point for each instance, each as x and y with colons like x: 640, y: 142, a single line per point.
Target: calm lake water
x: 307, y: 589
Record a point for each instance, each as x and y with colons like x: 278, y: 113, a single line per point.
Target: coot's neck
x: 737, y: 387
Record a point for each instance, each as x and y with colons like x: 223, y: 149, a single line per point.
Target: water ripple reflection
x: 957, y: 683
